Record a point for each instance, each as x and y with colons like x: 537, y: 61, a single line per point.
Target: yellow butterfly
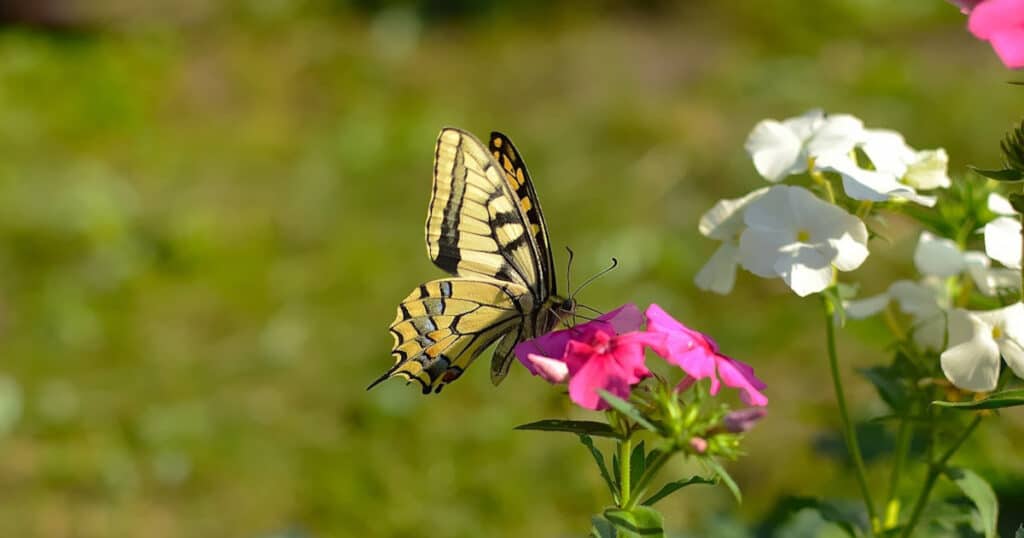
x: 485, y: 227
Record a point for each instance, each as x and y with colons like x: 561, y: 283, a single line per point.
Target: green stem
x: 625, y: 450
x: 649, y: 472
x: 934, y: 470
x: 849, y: 432
x: 903, y: 438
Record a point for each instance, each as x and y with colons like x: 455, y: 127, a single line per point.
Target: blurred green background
x: 209, y: 211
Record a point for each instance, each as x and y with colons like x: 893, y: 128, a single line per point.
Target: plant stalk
x: 849, y: 431
x: 935, y: 468
x: 625, y: 450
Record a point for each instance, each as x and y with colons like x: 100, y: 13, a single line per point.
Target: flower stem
x: 849, y: 432
x: 625, y: 450
x: 935, y: 468
x: 820, y: 178
x: 903, y: 438
x: 649, y: 473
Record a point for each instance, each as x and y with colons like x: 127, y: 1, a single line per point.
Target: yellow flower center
x: 803, y: 236
x: 997, y: 332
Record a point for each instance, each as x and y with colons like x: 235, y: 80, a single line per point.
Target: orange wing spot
x: 519, y: 176
x: 535, y: 229
x: 497, y: 142
x: 497, y: 155
x: 506, y: 162
x: 526, y: 204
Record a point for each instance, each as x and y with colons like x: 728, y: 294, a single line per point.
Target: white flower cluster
x: 786, y: 231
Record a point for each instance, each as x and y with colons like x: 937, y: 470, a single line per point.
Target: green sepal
x: 629, y: 410
x: 996, y: 400
x: 980, y: 493
x: 637, y: 522
x: 676, y: 485
x: 1017, y: 201
x: 587, y: 427
x: 602, y: 528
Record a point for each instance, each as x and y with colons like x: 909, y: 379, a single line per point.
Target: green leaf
x: 637, y: 464
x: 980, y: 493
x: 599, y: 458
x: 888, y: 386
x: 588, y: 427
x: 641, y: 521
x: 628, y: 409
x: 1017, y: 201
x: 602, y: 528
x: 672, y: 487
x: 724, y: 476
x: 827, y: 511
x: 1006, y: 174
x: 996, y: 400
x: 1020, y: 532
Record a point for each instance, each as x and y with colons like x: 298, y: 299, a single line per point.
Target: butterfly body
x: 485, y: 227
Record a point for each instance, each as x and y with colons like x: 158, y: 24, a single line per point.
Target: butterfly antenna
x: 587, y: 282
x: 568, y: 277
x: 592, y: 309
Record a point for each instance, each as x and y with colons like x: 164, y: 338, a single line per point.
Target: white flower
x: 1003, y: 241
x: 938, y: 256
x: 794, y: 235
x: 724, y: 222
x: 898, y: 169
x: 925, y: 301
x: 779, y: 149
x: 999, y: 205
x: 977, y: 339
x: 990, y: 281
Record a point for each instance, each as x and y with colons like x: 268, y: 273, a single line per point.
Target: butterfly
x: 485, y: 227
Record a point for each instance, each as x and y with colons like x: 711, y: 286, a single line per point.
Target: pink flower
x: 1001, y: 23
x: 607, y: 353
x: 697, y: 354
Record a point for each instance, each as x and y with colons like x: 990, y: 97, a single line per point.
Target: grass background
x: 208, y: 212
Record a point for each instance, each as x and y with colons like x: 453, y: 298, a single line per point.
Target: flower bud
x: 699, y: 444
x: 743, y: 420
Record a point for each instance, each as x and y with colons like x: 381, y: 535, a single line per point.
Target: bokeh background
x: 209, y: 210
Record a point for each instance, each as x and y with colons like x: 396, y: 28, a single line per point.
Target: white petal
x: 724, y: 221
x: 869, y: 306
x: 999, y: 205
x: 861, y: 184
x: 972, y: 361
x: 837, y: 135
x: 928, y: 170
x: 805, y: 125
x: 887, y: 150
x: 759, y: 249
x: 851, y: 249
x: 990, y: 281
x: 938, y: 256
x: 919, y: 299
x: 805, y: 270
x: 1012, y: 343
x: 837, y: 234
x: 774, y: 209
x: 719, y: 273
x: 930, y: 333
x: 775, y: 150
x: 1003, y: 241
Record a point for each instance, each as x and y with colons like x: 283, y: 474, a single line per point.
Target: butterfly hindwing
x: 443, y: 325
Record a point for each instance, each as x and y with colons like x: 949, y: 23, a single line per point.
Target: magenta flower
x: 1001, y: 23
x: 697, y: 354
x: 607, y: 354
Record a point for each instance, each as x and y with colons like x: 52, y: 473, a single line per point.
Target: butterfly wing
x: 443, y: 325
x: 476, y: 224
x: 484, y: 226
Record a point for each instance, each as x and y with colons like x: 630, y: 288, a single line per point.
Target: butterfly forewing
x: 475, y: 227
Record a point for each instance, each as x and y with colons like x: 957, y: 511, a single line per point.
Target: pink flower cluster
x: 608, y: 353
x: 1001, y: 23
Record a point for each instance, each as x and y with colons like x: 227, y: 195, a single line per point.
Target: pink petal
x: 698, y: 364
x: 993, y: 16
x: 740, y: 376
x: 600, y: 372
x: 625, y: 318
x: 551, y: 370
x: 1009, y: 46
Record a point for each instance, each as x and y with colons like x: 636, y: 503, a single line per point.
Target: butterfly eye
x: 568, y: 305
